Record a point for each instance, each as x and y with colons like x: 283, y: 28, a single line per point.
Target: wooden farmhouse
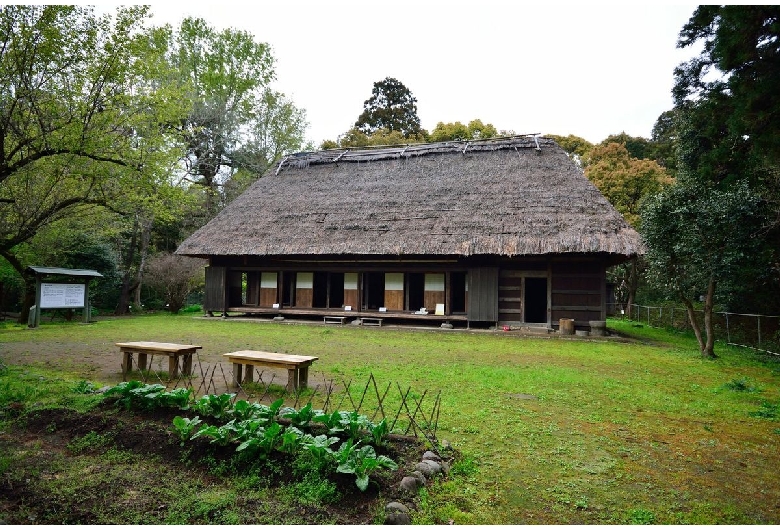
x: 474, y: 234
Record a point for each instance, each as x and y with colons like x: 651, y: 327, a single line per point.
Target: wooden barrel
x: 566, y: 326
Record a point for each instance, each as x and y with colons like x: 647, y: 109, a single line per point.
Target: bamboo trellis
x: 407, y: 412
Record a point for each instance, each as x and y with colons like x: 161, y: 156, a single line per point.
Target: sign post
x: 60, y: 294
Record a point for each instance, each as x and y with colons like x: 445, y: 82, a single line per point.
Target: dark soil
x: 40, y: 440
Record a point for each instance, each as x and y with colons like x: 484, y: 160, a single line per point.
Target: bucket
x: 566, y: 326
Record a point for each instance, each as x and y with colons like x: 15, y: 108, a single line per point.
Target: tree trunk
x: 123, y: 305
x: 29, y: 285
x: 146, y: 235
x: 633, y: 282
x: 694, y: 323
x: 708, y: 350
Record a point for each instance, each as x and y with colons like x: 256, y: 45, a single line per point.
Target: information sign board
x: 62, y: 295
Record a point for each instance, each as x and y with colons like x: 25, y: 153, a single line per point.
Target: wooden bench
x: 371, y: 321
x: 334, y: 319
x: 297, y: 366
x: 143, y: 349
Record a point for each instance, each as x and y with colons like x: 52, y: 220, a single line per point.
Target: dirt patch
x: 42, y: 440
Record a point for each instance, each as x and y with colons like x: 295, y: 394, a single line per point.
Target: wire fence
x: 407, y: 412
x: 759, y: 332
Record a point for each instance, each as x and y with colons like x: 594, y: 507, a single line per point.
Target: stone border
x: 430, y: 466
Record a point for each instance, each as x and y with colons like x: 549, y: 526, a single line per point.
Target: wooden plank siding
x: 304, y: 289
x: 483, y: 294
x: 394, y: 291
x: 269, y: 289
x: 578, y: 292
x: 510, y: 296
x: 214, y: 297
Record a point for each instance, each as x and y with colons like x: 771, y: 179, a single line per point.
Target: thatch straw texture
x: 508, y: 197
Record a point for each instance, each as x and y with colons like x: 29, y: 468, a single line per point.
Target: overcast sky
x: 585, y: 69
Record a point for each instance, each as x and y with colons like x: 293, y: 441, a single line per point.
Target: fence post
x: 758, y: 321
x: 728, y: 332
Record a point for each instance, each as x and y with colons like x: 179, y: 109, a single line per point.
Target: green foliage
x: 319, y: 448
x: 725, y: 102
x: 137, y: 395
x: 219, y: 434
x: 236, y: 119
x: 301, y: 418
x: 185, y: 427
x: 84, y: 387
x: 475, y: 130
x: 768, y: 410
x: 742, y: 384
x: 244, y: 410
x: 69, y: 78
x: 217, y: 406
x: 641, y: 516
x: 391, y: 106
x: 88, y: 442
x: 361, y: 461
x: 700, y: 237
x: 177, y: 398
x: 379, y: 432
x: 291, y: 440
x: 314, y: 490
x: 624, y: 179
x: 262, y: 442
x: 16, y: 392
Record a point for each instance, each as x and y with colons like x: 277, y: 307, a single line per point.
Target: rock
x: 397, y: 513
x: 420, y: 477
x: 410, y: 484
x: 436, y: 466
x: 430, y: 455
x: 429, y: 468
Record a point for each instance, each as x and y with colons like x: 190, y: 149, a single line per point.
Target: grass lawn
x: 551, y: 430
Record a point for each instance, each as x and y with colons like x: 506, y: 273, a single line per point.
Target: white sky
x: 553, y: 68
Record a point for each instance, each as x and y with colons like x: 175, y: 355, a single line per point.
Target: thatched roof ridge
x: 504, y: 197
x: 374, y: 153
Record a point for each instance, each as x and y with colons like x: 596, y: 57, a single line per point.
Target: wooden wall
x: 269, y: 289
x: 394, y: 291
x: 214, y: 299
x: 578, y: 291
x: 304, y: 289
x: 483, y: 294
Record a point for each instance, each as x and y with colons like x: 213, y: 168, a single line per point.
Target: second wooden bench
x: 297, y: 366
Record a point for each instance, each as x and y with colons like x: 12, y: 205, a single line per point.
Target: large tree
x: 392, y: 107
x: 718, y: 224
x: 81, y: 116
x: 625, y: 181
x: 700, y: 239
x: 237, y: 121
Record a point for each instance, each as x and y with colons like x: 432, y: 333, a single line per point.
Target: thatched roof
x: 506, y: 197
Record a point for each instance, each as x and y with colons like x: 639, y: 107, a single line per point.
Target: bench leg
x: 237, y: 369
x: 303, y: 377
x: 141, y: 361
x: 292, y: 379
x: 249, y: 373
x: 173, y: 366
x: 187, y: 369
x: 127, y: 364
